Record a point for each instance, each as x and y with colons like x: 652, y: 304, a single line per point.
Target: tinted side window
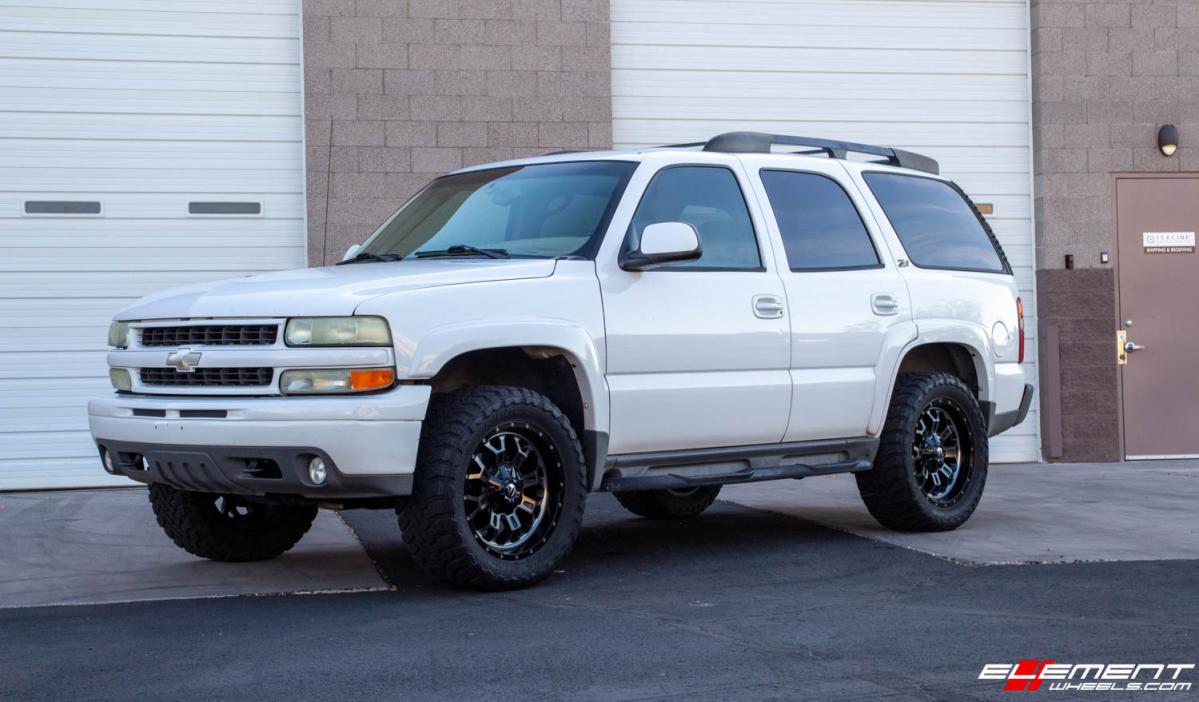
x: 821, y: 227
x: 938, y: 229
x: 709, y: 199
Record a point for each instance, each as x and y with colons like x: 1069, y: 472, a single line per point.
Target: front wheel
x: 932, y: 457
x: 228, y: 527
x: 498, y: 498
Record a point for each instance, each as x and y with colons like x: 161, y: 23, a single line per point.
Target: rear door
x: 847, y: 301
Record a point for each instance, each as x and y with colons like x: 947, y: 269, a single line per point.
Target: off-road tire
x: 891, y: 489
x: 434, y: 522
x: 197, y: 524
x: 668, y: 504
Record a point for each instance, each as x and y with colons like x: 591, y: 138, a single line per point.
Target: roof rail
x: 760, y: 143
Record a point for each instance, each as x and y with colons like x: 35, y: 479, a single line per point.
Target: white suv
x: 654, y: 323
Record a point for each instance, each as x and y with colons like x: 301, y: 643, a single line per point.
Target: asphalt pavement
x: 739, y: 603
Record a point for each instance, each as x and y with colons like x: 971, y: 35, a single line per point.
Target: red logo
x: 1027, y: 675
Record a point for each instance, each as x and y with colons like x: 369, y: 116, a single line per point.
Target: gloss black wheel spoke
x: 937, y: 451
x: 507, y: 485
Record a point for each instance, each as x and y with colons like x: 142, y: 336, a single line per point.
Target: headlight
x: 120, y: 379
x: 338, y: 331
x: 118, y: 335
x: 325, y: 381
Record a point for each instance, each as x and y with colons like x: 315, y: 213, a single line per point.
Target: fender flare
x: 441, y: 345
x: 940, y: 332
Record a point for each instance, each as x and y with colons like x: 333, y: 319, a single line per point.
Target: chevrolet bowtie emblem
x: 185, y: 360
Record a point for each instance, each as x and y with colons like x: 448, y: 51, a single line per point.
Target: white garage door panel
x: 140, y: 101
x: 828, y: 37
x: 155, y: 206
x: 40, y: 419
x: 135, y: 75
x: 46, y: 153
x: 819, y: 60
x: 779, y: 107
x: 54, y: 362
x: 26, y: 446
x: 59, y: 472
x: 276, y: 7
x: 170, y: 180
x: 149, y: 21
x: 216, y: 233
x: 764, y: 83
x: 810, y: 16
x: 117, y: 287
x: 50, y: 338
x: 664, y: 129
x: 142, y: 107
x: 226, y: 128
x: 948, y: 78
x: 50, y: 259
x: 114, y: 47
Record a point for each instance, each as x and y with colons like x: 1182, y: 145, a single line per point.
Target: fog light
x: 316, y: 471
x: 106, y: 455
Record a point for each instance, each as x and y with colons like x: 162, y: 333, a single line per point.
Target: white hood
x: 334, y: 290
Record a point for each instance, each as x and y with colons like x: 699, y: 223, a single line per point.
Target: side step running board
x: 679, y: 481
x: 680, y: 470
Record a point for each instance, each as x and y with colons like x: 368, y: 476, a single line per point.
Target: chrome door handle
x: 768, y: 306
x: 1130, y: 347
x: 884, y: 304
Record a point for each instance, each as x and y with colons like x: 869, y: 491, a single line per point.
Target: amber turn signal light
x: 371, y: 378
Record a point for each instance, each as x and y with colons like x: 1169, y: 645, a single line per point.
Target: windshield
x: 546, y: 210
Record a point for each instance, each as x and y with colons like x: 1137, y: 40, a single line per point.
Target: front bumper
x: 262, y: 445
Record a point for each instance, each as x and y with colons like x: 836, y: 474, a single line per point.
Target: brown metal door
x: 1158, y: 277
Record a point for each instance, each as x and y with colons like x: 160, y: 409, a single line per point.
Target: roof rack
x: 761, y: 143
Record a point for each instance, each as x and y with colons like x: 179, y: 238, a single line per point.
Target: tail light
x: 1020, y: 323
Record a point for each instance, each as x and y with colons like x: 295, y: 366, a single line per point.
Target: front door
x: 1158, y: 278
x: 697, y: 351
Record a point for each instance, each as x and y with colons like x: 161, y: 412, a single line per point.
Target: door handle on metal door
x: 768, y: 306
x: 883, y: 304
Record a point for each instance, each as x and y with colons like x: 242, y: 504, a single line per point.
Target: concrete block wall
x: 1080, y: 414
x: 400, y: 91
x: 1106, y: 74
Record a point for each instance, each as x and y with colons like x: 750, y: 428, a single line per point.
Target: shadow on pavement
x: 615, y: 546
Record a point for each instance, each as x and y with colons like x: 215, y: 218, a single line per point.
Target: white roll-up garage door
x: 143, y: 144
x: 948, y: 78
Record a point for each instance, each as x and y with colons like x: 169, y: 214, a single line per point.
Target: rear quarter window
x: 935, y: 224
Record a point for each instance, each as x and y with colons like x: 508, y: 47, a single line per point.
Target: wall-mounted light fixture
x: 1167, y: 139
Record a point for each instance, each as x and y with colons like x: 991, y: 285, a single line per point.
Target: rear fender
x: 936, y: 332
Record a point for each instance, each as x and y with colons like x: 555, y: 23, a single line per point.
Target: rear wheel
x: 498, y: 498
x: 932, y: 458
x: 669, y: 504
x: 228, y: 527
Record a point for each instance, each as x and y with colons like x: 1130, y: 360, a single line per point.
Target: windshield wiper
x: 368, y: 256
x: 464, y: 249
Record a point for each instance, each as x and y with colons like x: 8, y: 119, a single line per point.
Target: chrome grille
x: 212, y: 377
x: 211, y: 335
